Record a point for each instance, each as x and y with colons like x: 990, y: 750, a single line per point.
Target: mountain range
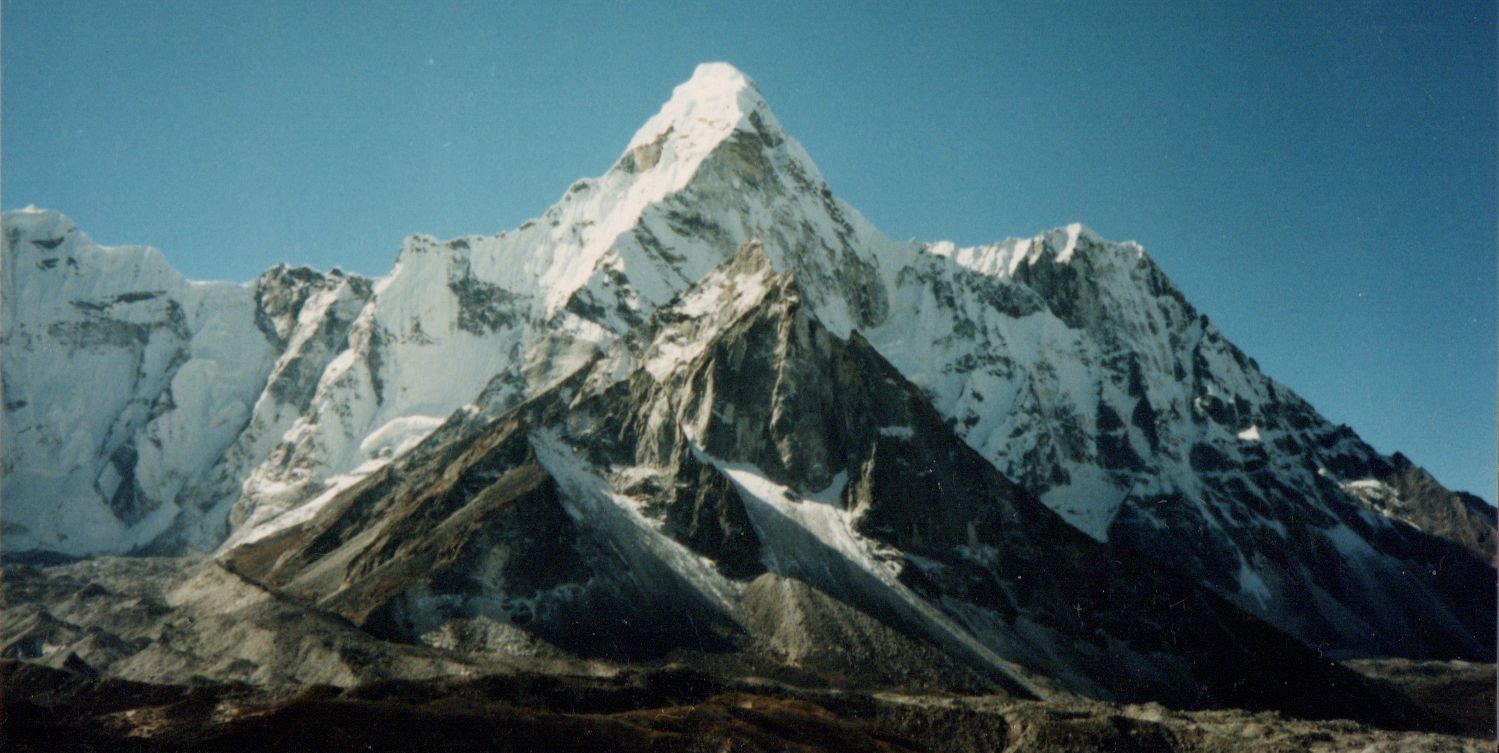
x: 702, y: 408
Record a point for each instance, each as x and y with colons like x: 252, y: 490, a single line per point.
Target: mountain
x: 129, y: 390
x: 750, y: 469
x: 702, y: 394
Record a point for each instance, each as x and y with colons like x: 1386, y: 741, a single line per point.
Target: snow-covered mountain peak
x: 1061, y: 245
x: 35, y: 221
x: 712, y: 169
x: 715, y: 102
x: 716, y: 123
x: 54, y: 270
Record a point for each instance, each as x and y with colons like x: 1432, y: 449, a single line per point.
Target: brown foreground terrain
x: 672, y: 709
x: 1462, y: 693
x: 216, y: 663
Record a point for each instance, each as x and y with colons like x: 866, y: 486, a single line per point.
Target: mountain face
x: 749, y: 469
x: 130, y: 391
x: 702, y: 391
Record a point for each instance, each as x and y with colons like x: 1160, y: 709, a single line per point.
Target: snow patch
x: 827, y: 521
x: 1251, y: 584
x: 304, y: 512
x: 591, y: 502
x: 1073, y: 231
x: 714, y: 102
x: 1089, y: 501
x: 838, y: 547
x: 398, y: 435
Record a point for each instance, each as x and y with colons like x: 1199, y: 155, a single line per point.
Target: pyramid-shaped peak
x: 718, y: 75
x: 706, y: 108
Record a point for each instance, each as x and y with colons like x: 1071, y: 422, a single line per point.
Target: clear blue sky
x: 1318, y: 177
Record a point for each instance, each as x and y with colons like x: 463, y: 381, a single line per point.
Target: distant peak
x: 34, y: 210
x: 34, y: 221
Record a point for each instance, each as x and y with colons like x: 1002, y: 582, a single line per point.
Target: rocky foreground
x: 662, y: 709
x: 179, y: 654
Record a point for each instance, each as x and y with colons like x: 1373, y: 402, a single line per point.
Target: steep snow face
x: 311, y: 395
x: 510, y: 314
x: 83, y: 373
x: 309, y: 316
x: 122, y: 383
x: 1020, y: 343
x: 1078, y: 369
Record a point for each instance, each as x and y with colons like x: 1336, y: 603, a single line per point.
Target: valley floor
x: 638, y: 710
x: 218, y: 664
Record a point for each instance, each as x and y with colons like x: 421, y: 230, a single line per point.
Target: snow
x: 592, y: 503
x: 1252, y: 585
x: 709, y: 108
x: 398, y: 435
x: 1367, y: 484
x: 996, y: 260
x: 1020, y: 251
x: 1089, y: 502
x: 898, y: 432
x: 810, y: 536
x: 1073, y: 231
x: 1251, y: 434
x: 367, y: 392
x: 820, y: 513
x: 108, y: 349
x: 1003, y: 259
x: 715, y: 100
x: 255, y: 531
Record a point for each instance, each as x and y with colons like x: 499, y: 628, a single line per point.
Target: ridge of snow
x: 1073, y: 231
x: 1004, y: 258
x: 710, y: 105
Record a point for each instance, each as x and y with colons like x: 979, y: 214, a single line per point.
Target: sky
x: 1318, y: 177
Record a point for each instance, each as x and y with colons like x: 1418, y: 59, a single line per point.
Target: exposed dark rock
x: 643, y: 157
x: 482, y: 307
x: 1458, y: 516
x: 704, y: 512
x: 647, y: 710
